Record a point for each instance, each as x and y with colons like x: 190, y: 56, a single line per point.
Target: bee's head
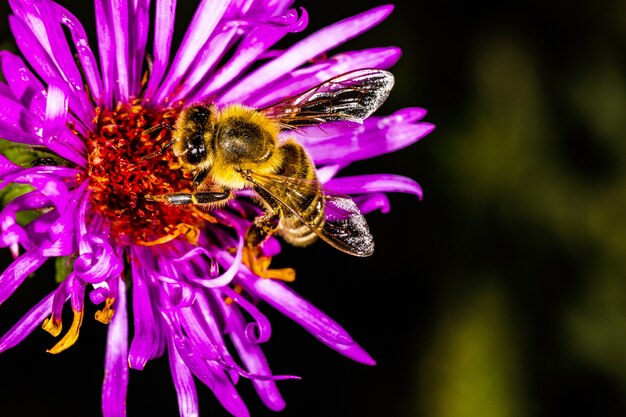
x: 194, y: 130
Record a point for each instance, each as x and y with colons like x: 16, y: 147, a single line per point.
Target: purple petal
x: 375, y: 183
x: 371, y: 202
x: 24, y: 85
x: 85, y: 54
x: 27, y: 324
x: 8, y: 168
x: 200, y: 29
x: 138, y: 39
x: 106, y: 47
x: 51, y: 186
x: 227, y: 276
x: 145, y: 343
x: 377, y: 136
x: 184, y: 384
x: 56, y: 123
x: 115, y: 382
x: 38, y: 16
x: 207, y: 58
x: 97, y: 260
x: 228, y: 396
x: 303, y: 51
x: 12, y: 232
x: 13, y: 276
x: 254, y: 360
x: 304, y: 78
x: 163, y: 31
x: 118, y: 18
x: 185, y: 348
x: 18, y: 124
x: 252, y: 46
x: 259, y: 330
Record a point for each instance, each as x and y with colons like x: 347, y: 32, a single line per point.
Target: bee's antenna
x: 166, y: 146
x: 160, y: 126
x: 160, y: 151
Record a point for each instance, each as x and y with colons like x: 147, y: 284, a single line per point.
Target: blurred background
x: 501, y: 294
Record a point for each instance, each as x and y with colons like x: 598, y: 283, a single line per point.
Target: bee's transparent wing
x: 344, y: 228
x: 352, y: 96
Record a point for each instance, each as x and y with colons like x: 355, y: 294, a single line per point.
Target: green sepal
x: 63, y: 266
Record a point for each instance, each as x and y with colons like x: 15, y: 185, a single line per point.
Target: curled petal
x: 100, y: 292
x: 303, y: 51
x: 11, y: 231
x: 97, y: 265
x: 253, y: 358
x: 260, y: 330
x: 227, y: 276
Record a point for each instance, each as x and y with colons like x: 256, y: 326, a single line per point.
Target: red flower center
x: 121, y: 174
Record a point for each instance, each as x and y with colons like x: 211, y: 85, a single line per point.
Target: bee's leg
x: 200, y: 177
x: 201, y: 198
x: 257, y: 233
x: 261, y: 229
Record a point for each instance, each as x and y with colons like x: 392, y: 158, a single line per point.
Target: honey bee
x: 238, y: 147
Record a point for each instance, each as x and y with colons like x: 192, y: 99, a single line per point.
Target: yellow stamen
x: 71, y: 336
x: 260, y: 265
x: 105, y: 315
x: 189, y: 232
x: 238, y: 289
x: 52, y: 325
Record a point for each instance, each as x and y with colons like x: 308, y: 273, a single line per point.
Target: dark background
x: 502, y: 293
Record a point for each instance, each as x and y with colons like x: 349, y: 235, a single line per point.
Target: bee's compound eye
x: 196, y: 151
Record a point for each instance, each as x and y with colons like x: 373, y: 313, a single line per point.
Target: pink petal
x: 163, y: 31
x: 115, y: 384
x: 200, y: 29
x: 184, y: 384
x: 303, y: 51
x: 307, y: 77
x: 31, y: 321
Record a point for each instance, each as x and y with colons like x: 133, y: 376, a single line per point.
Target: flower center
x: 120, y: 174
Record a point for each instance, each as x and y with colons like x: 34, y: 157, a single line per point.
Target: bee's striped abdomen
x: 297, y: 164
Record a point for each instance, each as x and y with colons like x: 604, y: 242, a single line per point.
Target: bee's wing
x: 352, y: 96
x: 344, y: 228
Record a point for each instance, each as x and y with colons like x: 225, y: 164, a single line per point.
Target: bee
x: 237, y: 147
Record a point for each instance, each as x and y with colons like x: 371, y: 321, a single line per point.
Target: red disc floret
x: 121, y: 173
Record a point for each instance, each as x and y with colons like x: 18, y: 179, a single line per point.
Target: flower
x: 75, y: 176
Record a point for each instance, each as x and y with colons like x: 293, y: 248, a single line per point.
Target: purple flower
x: 79, y: 124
